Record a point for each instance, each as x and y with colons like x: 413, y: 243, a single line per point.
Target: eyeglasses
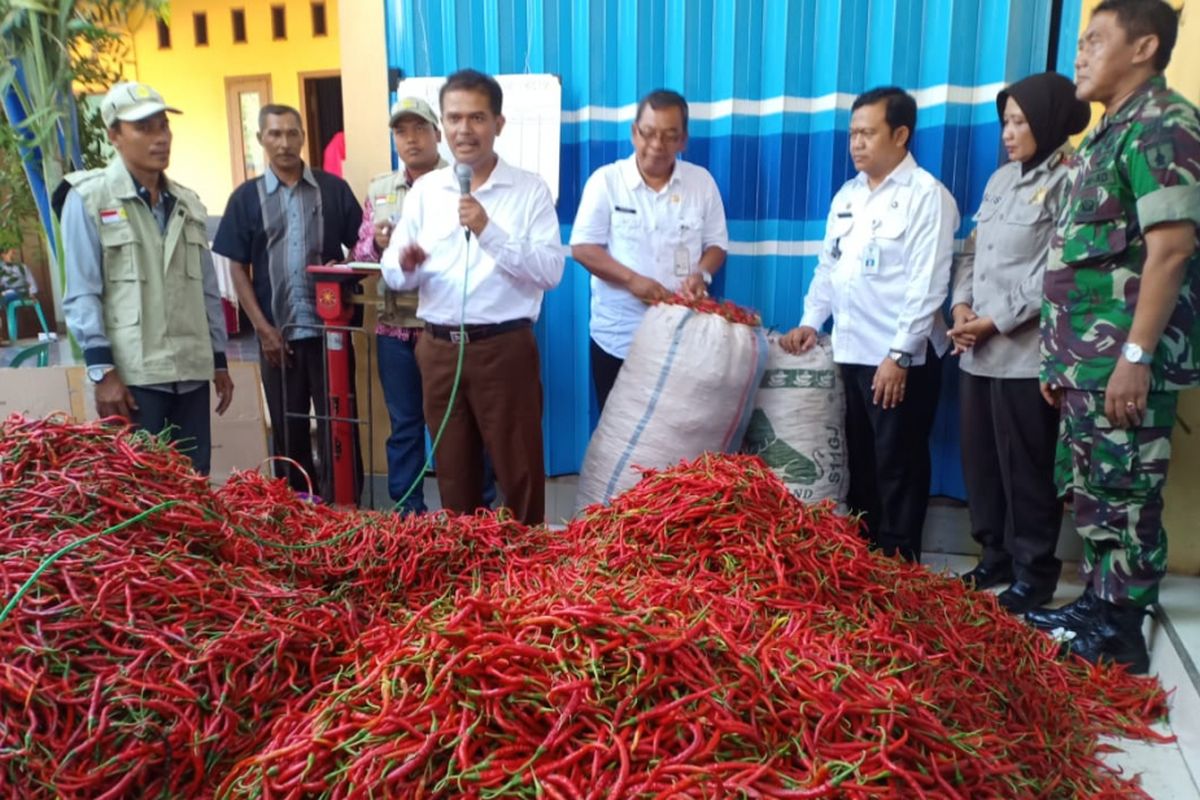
x: 667, y: 137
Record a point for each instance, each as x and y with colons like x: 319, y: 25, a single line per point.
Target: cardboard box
x: 239, y: 437
x: 36, y: 392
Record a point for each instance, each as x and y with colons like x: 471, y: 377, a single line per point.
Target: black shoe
x: 1115, y: 635
x: 1072, y: 615
x: 1022, y: 597
x: 985, y: 577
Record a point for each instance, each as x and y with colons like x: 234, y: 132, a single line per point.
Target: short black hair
x: 472, y: 80
x: 278, y: 110
x: 664, y: 98
x: 901, y: 109
x: 1146, y: 18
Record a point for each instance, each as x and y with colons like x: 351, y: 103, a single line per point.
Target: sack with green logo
x: 798, y: 422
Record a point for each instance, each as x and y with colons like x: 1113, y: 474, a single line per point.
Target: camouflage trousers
x: 1115, y: 478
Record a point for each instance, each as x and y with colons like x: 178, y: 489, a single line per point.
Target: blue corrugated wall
x: 770, y: 83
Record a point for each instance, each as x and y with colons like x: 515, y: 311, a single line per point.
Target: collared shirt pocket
x: 626, y: 224
x: 839, y: 232
x: 987, y: 209
x: 1094, y: 231
x: 887, y: 234
x: 1024, y: 230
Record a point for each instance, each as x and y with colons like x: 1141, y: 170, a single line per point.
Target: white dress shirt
x: 506, y: 269
x: 884, y: 270
x: 658, y: 234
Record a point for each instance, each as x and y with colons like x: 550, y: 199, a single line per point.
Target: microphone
x: 463, y: 172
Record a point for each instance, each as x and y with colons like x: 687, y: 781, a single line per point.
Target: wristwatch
x: 96, y: 374
x: 901, y: 358
x: 1134, y: 354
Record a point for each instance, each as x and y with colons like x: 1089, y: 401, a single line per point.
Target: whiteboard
x: 533, y: 120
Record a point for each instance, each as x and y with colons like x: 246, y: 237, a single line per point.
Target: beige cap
x: 130, y: 101
x: 415, y: 106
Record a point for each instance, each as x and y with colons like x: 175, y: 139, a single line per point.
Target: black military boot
x: 1116, y: 635
x: 1072, y: 615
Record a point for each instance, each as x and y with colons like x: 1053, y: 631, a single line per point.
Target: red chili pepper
x: 704, y: 634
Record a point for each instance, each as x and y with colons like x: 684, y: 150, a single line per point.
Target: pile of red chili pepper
x: 722, y: 308
x: 137, y: 662
x: 704, y: 635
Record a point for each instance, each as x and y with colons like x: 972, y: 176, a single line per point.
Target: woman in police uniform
x: 1008, y: 430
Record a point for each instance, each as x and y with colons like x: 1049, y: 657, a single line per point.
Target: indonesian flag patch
x: 110, y: 215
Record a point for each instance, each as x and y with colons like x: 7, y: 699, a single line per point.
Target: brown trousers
x: 498, y: 407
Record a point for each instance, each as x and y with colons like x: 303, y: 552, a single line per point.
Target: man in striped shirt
x: 274, y: 227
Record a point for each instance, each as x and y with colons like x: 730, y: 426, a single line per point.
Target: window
x: 239, y: 25
x: 320, y: 27
x: 244, y: 96
x: 200, y: 26
x: 164, y: 35
x: 278, y: 22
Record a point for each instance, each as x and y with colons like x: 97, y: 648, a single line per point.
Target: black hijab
x: 1049, y: 104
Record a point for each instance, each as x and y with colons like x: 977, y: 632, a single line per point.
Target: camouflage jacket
x: 1140, y: 167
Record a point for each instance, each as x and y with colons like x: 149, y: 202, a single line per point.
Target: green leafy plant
x: 16, y: 203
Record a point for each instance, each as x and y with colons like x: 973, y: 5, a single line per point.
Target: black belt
x: 474, y: 333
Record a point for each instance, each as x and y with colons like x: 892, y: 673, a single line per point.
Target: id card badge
x: 683, y: 262
x: 870, y: 257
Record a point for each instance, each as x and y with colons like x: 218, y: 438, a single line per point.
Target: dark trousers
x: 1009, y: 434
x: 186, y: 414
x: 498, y: 407
x: 889, y: 455
x: 401, y: 381
x: 293, y: 391
x: 604, y: 372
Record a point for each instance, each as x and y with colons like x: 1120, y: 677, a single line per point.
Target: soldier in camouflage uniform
x: 1120, y: 334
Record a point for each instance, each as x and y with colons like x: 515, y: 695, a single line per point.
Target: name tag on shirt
x: 870, y: 257
x: 683, y: 262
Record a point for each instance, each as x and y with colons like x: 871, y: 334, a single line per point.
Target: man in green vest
x: 142, y: 298
x: 416, y: 136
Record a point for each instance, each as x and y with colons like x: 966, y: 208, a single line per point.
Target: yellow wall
x: 193, y: 78
x: 1184, y: 72
x: 365, y: 90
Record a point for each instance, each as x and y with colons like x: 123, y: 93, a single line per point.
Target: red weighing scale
x: 334, y: 285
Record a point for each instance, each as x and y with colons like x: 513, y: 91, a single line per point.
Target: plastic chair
x: 41, y: 350
x: 14, y: 305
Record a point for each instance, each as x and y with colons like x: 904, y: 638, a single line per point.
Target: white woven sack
x: 798, y: 424
x: 686, y: 388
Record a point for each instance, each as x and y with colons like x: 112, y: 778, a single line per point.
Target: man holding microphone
x: 416, y: 136
x: 480, y: 288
